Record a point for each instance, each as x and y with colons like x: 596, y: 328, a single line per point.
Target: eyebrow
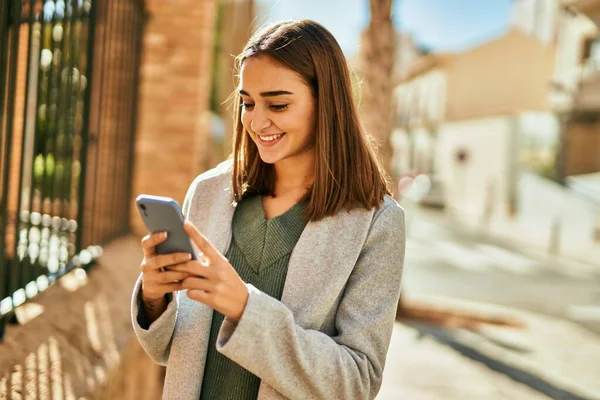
x: 268, y: 94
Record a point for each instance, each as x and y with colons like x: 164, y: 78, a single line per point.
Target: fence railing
x: 68, y: 90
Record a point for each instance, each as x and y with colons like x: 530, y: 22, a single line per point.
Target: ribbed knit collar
x: 263, y: 241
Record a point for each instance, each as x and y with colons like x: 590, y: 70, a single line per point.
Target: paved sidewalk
x: 510, y: 236
x: 549, y: 358
x: 551, y: 220
x: 420, y: 368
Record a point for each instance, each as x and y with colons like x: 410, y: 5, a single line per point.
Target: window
x: 591, y: 48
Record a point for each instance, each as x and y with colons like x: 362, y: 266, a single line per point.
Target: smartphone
x: 163, y: 214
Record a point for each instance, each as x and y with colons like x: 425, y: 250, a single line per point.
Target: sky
x: 439, y: 25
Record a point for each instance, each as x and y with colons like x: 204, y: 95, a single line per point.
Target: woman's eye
x: 248, y: 106
x: 278, y: 107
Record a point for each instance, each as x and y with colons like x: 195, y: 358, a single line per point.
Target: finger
x: 165, y: 260
x: 200, y: 295
x: 151, y: 240
x: 194, y: 267
x: 196, y: 284
x: 172, y: 276
x: 155, y: 263
x: 171, y: 287
x: 202, y: 242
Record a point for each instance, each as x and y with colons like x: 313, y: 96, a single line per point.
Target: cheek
x: 308, y: 119
x: 246, y: 120
x: 301, y: 122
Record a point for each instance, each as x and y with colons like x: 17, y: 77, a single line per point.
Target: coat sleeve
x: 156, y: 338
x: 308, y: 364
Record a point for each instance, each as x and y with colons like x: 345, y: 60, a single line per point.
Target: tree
x: 377, y: 57
x: 376, y: 62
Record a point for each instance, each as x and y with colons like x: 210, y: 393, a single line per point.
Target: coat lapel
x: 194, y: 319
x: 314, y: 264
x: 318, y: 271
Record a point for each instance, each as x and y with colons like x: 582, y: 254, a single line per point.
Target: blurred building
x: 583, y: 128
x: 474, y: 119
x: 458, y: 114
x: 537, y: 18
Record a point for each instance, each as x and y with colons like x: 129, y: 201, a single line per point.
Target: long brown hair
x: 347, y: 173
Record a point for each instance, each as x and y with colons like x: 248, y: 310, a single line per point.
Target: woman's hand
x: 156, y: 281
x: 212, y: 280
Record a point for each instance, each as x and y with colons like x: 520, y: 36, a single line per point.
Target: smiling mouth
x: 270, y: 139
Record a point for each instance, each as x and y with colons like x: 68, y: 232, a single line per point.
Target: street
x: 443, y: 262
x: 553, y: 356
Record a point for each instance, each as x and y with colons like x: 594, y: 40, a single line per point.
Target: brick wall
x: 173, y: 100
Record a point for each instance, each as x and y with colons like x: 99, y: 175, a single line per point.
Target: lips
x: 270, y: 140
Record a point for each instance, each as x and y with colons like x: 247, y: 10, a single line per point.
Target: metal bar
x: 45, y: 145
x: 4, y: 271
x: 85, y: 131
x: 48, y: 20
x: 10, y: 111
x: 141, y: 7
x: 119, y: 106
x: 140, y: 24
x: 90, y: 177
x: 128, y: 133
x: 4, y: 10
x: 105, y: 138
x: 27, y: 150
x: 69, y: 120
x: 119, y: 98
x: 36, y: 267
x: 81, y: 58
x: 90, y: 99
x: 131, y: 90
x: 96, y: 203
x: 59, y: 37
x: 127, y: 161
x: 63, y: 139
x: 61, y: 32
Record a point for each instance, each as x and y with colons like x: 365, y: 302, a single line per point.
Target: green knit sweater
x: 260, y: 251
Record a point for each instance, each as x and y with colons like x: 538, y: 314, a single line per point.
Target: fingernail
x: 163, y: 235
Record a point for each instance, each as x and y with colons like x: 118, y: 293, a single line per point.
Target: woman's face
x: 278, y: 110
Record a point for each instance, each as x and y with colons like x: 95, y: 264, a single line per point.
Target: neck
x: 295, y: 174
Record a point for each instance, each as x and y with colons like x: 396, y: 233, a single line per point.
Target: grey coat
x: 328, y: 336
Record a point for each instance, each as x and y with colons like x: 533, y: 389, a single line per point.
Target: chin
x: 269, y: 158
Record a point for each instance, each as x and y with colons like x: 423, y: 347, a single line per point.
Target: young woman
x: 303, y: 248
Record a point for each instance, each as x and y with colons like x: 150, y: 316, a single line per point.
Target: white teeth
x: 271, y: 138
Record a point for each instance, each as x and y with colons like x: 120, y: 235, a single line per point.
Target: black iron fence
x: 68, y: 90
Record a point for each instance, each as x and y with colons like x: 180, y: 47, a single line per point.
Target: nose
x: 259, y: 121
